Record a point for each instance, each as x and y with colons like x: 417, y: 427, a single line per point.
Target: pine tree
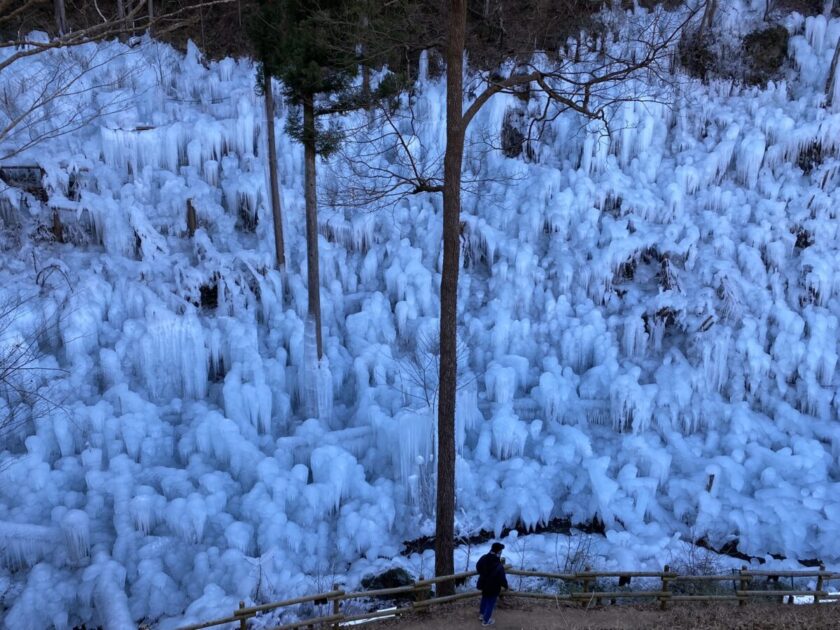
x: 296, y: 44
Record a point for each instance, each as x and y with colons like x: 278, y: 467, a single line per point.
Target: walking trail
x: 518, y: 614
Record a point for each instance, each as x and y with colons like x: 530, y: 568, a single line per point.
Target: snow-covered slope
x: 648, y: 322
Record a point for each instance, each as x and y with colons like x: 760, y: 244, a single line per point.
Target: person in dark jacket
x: 491, y: 581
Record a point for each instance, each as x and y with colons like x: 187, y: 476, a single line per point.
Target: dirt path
x: 518, y: 614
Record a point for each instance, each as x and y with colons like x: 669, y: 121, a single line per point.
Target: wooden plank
x: 397, y: 590
x: 376, y: 615
x: 706, y: 578
x: 444, y: 600
x: 251, y: 611
x: 542, y: 574
x: 630, y: 574
x: 210, y: 624
x: 617, y: 594
x: 530, y: 595
x: 702, y: 598
x: 778, y: 593
x: 794, y: 574
x: 308, y: 622
x: 445, y: 578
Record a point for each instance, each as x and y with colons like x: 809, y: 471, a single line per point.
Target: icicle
x: 244, y: 127
x: 76, y: 527
x: 509, y: 432
x: 24, y: 544
x: 338, y: 471
x: 635, y: 338
x: 715, y: 361
x: 423, y: 67
x: 109, y: 596
x: 750, y: 157
x: 630, y: 403
x: 815, y: 28
x: 173, y: 359
x: 146, y: 508
x: 467, y: 414
x: 500, y: 382
x: 414, y: 435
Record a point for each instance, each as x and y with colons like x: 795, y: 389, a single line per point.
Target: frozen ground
x: 648, y: 321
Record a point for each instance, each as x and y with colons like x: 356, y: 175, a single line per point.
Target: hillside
x: 648, y: 323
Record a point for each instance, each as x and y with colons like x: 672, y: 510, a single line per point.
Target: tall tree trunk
x: 121, y: 20
x: 60, y: 17
x: 445, y: 513
x: 831, y: 83
x: 365, y: 62
x: 276, y: 209
x: 708, y: 15
x: 312, y: 275
x: 151, y: 10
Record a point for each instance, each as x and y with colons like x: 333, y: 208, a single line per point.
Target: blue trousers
x: 488, y: 603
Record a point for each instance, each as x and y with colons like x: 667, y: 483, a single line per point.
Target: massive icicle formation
x: 648, y: 328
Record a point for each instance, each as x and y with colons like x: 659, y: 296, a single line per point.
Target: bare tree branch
x: 107, y: 29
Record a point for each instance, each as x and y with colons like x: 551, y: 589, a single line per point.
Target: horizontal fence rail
x: 582, y: 588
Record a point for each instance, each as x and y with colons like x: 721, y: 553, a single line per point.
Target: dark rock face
x: 762, y: 53
x: 696, y: 55
x: 513, y: 138
x: 805, y: 7
x: 392, y: 578
x: 766, y: 51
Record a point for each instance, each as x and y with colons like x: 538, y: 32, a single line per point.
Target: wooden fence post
x: 243, y: 622
x: 586, y: 579
x: 336, y: 608
x: 663, y: 601
x: 419, y: 592
x: 192, y: 221
x: 774, y: 579
x: 742, y: 600
x: 819, y: 584
x: 623, y: 580
x: 57, y: 227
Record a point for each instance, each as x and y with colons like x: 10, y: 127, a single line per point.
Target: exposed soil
x: 519, y: 614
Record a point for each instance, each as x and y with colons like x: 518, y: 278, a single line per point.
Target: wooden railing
x: 581, y: 587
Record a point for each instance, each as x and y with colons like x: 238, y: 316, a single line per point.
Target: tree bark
x: 192, y: 220
x: 708, y: 15
x: 151, y: 10
x: 312, y: 274
x: 830, y: 85
x: 365, y: 64
x: 60, y: 17
x: 276, y: 209
x: 445, y: 513
x: 121, y: 19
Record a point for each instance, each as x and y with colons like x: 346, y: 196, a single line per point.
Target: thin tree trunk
x: 830, y: 84
x: 366, y: 85
x: 365, y: 63
x: 312, y: 275
x: 151, y: 10
x: 192, y: 220
x: 708, y: 15
x: 276, y: 209
x: 445, y: 513
x: 121, y: 20
x: 60, y: 17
